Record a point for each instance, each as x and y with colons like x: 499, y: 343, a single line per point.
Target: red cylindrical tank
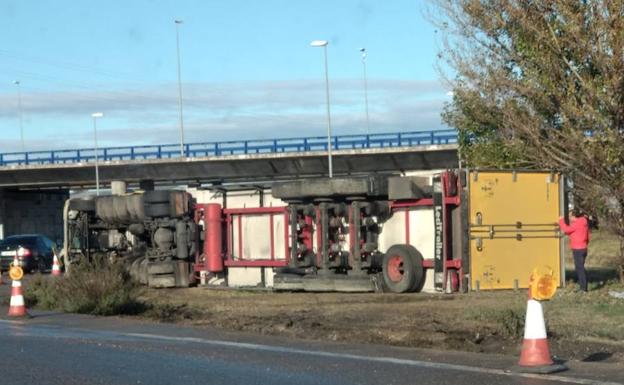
x: 213, y: 244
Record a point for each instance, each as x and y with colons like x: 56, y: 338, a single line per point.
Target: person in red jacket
x: 578, y: 231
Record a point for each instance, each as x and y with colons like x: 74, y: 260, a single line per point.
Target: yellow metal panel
x: 513, y: 227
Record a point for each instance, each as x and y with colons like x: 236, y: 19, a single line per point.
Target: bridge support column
x: 118, y: 187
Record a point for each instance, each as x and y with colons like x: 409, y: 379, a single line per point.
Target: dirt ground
x: 581, y: 326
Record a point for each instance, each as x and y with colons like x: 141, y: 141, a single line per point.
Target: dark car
x: 34, y: 252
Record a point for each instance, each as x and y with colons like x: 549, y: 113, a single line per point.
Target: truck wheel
x: 157, y: 210
x: 156, y: 196
x: 419, y: 270
x: 402, y: 269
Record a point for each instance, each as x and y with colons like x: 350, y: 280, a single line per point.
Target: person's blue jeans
x: 579, y: 265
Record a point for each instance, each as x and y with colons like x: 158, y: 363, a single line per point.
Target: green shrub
x: 41, y: 292
x: 98, y: 288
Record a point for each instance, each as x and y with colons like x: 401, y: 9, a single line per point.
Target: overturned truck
x: 153, y: 232
x: 447, y: 231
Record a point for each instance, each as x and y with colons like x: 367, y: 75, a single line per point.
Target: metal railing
x: 238, y: 147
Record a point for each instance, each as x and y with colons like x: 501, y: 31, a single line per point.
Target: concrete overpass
x: 34, y: 185
x: 223, y: 162
x: 232, y: 168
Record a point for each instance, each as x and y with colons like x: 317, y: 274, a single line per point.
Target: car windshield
x: 18, y: 241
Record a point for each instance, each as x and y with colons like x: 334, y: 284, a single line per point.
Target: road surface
x: 53, y: 348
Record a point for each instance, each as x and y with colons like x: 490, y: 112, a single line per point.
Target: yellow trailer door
x: 513, y: 227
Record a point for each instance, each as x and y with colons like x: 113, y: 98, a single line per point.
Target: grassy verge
x: 98, y: 288
x: 580, y: 325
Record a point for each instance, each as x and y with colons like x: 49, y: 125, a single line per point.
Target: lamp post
x: 95, y: 150
x: 177, y: 25
x: 363, y: 51
x: 323, y: 43
x: 19, y: 107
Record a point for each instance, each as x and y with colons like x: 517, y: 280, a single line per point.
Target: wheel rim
x: 396, y: 270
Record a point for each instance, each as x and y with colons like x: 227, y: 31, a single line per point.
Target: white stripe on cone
x: 56, y: 269
x: 17, y: 307
x: 534, y: 328
x: 17, y: 300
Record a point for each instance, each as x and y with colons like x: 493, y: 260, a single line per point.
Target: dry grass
x: 579, y: 324
x: 603, y: 251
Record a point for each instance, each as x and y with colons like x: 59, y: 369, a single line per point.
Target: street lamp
x: 177, y: 25
x: 19, y: 106
x: 363, y: 51
x: 95, y: 150
x: 323, y: 43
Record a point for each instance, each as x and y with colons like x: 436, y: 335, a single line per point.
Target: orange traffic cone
x: 535, y: 354
x: 56, y: 268
x: 17, y: 307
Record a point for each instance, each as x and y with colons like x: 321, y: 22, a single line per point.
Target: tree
x: 540, y: 84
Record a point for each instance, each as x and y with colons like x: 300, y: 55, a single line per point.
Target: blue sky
x: 248, y: 71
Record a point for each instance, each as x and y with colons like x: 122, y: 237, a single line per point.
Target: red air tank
x: 213, y: 246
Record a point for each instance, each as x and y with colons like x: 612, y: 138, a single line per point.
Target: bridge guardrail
x: 242, y: 147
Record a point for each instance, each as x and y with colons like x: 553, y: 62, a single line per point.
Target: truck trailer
x: 447, y: 231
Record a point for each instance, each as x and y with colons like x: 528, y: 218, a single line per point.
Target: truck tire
x: 402, y: 269
x: 156, y: 210
x: 156, y: 196
x: 161, y: 281
x: 419, y: 270
x: 82, y: 204
x: 155, y: 268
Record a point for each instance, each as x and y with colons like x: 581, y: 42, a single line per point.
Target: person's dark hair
x: 576, y: 213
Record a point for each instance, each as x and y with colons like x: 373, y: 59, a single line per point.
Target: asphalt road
x: 55, y: 348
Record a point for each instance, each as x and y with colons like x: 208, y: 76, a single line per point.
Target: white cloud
x: 215, y: 112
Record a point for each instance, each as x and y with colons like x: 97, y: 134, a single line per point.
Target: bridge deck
x: 242, y: 147
x: 242, y: 161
